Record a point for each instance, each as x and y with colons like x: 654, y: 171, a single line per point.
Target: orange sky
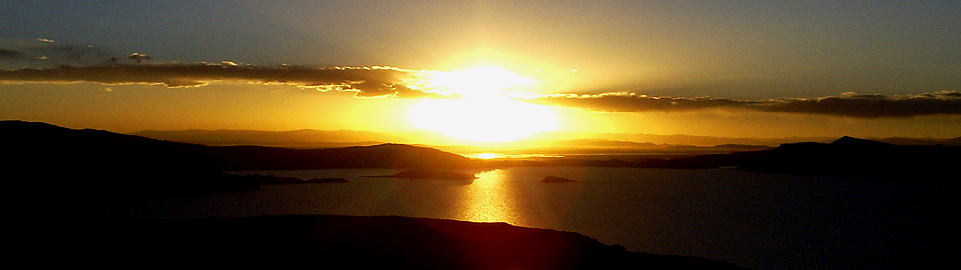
x: 240, y: 105
x: 733, y: 69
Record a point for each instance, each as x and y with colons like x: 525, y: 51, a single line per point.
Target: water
x: 755, y: 220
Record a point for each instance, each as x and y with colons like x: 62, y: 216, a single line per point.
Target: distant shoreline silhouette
x: 104, y: 162
x: 50, y: 163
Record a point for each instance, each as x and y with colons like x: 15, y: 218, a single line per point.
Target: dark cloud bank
x: 366, y: 81
x: 849, y: 105
x: 396, y: 83
x: 79, y: 63
x: 48, y: 51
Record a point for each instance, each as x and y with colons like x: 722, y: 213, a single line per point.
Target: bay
x: 755, y: 220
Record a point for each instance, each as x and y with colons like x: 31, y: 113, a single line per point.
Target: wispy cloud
x: 10, y: 53
x: 49, y: 51
x: 55, y: 62
x: 392, y: 82
x: 848, y: 104
x: 365, y: 81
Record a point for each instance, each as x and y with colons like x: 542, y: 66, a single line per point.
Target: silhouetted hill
x: 915, y: 141
x: 340, y: 138
x: 40, y: 157
x: 292, y: 139
x: 61, y: 153
x: 39, y: 143
x: 843, y: 154
x: 44, y: 155
x: 376, y: 156
x: 386, y: 242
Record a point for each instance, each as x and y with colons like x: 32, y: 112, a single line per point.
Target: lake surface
x: 755, y: 220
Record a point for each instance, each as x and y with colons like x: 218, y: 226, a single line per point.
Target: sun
x: 484, y: 118
x: 485, y: 113
x: 477, y: 81
x: 487, y: 155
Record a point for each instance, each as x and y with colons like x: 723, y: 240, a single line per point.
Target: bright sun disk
x: 485, y: 118
x: 485, y: 113
x: 487, y: 156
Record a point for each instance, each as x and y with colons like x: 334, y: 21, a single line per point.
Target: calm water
x: 755, y: 220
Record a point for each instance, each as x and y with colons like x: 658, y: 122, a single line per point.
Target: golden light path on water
x: 517, y: 198
x: 488, y: 199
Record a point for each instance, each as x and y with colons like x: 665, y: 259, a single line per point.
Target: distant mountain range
x: 41, y: 154
x: 842, y: 155
x: 547, y: 143
x: 307, y: 138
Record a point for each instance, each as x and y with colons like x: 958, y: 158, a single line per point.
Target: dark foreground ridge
x: 386, y: 242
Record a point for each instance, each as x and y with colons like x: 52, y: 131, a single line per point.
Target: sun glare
x: 487, y: 155
x: 485, y: 118
x: 485, y: 113
x: 477, y: 81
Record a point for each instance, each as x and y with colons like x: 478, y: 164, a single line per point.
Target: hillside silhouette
x: 842, y: 155
x: 41, y: 155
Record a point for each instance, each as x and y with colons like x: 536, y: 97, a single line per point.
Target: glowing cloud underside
x: 399, y: 83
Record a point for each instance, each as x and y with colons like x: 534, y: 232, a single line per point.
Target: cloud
x: 848, y: 104
x: 392, y: 82
x: 365, y: 81
x: 10, y: 53
x: 48, y: 51
x: 872, y: 106
x: 630, y: 102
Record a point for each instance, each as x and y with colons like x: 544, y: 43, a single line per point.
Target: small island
x: 430, y: 174
x: 556, y: 179
x: 283, y: 180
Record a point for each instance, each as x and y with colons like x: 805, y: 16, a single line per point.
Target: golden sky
x: 732, y: 68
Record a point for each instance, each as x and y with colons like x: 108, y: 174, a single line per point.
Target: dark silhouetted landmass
x: 45, y: 162
x: 343, y: 138
x: 431, y: 174
x: 326, y: 180
x: 926, y: 141
x: 283, y: 180
x: 550, y: 139
x: 52, y: 158
x: 556, y: 179
x: 235, y: 158
x: 386, y: 242
x: 305, y: 138
x: 846, y: 154
x: 843, y: 155
x: 43, y: 158
x: 40, y: 155
x: 49, y: 142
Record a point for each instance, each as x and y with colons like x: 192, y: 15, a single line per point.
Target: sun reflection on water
x: 517, y: 197
x: 488, y: 199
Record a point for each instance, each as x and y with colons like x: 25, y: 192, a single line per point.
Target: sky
x: 737, y: 68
